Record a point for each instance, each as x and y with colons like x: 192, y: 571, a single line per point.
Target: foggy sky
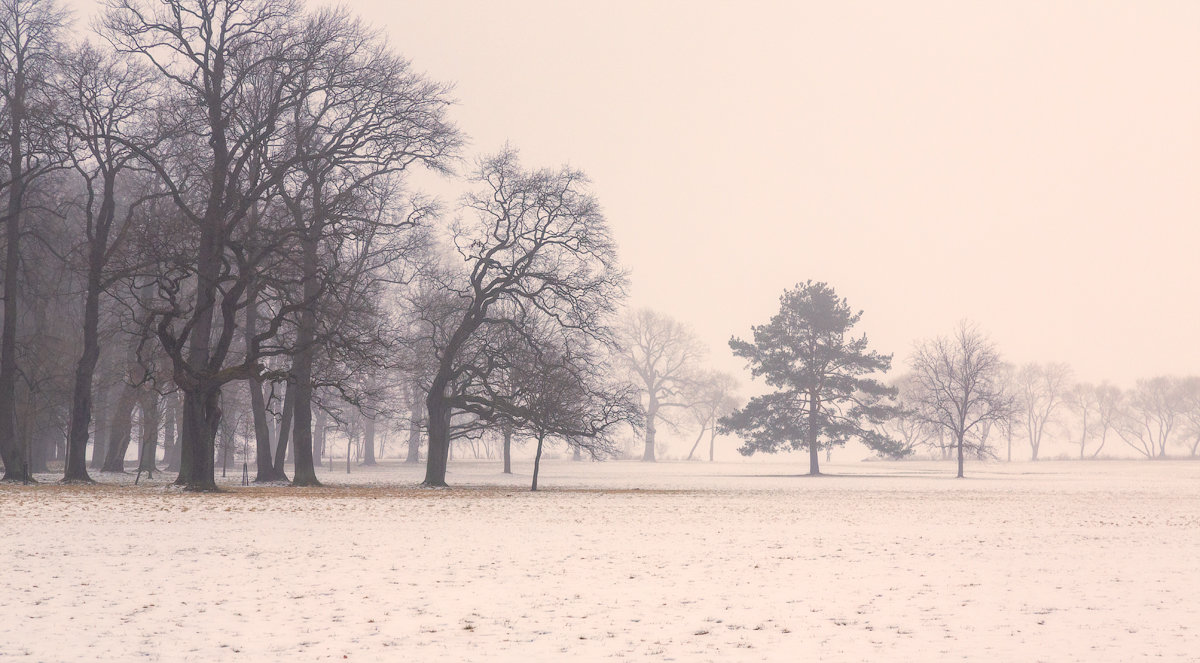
x: 1032, y: 166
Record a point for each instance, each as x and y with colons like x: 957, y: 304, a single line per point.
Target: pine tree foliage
x: 824, y: 393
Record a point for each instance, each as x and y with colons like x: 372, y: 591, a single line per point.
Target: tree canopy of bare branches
x: 958, y: 385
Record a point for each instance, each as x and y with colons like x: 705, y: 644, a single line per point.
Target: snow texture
x: 1048, y: 561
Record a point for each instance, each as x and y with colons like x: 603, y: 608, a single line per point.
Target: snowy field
x: 1053, y: 561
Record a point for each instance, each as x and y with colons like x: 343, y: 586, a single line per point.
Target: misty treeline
x: 213, y: 255
x: 957, y: 398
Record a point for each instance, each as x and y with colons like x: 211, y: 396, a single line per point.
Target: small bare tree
x: 1097, y: 408
x: 713, y: 395
x: 1041, y: 389
x: 959, y: 387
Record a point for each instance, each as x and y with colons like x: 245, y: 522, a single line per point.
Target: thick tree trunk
x: 537, y: 462
x: 201, y: 417
x: 263, y: 460
x: 414, y: 432
x: 85, y: 369
x: 285, y: 429
x: 101, y: 418
x: 12, y: 450
x: 507, y: 432
x: 439, y: 436
x: 150, y: 422
x: 651, y: 431
x: 304, y: 473
x: 368, y: 441
x: 120, y: 430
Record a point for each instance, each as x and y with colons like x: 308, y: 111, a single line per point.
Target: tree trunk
x: 814, y: 451
x: 414, y: 432
x: 303, y: 473
x: 150, y: 421
x: 537, y: 462
x: 439, y: 436
x: 100, y: 419
x: 263, y: 460
x: 507, y: 432
x: 960, y: 454
x: 319, y: 446
x: 697, y: 442
x: 712, y: 443
x: 173, y: 455
x: 12, y: 451
x: 198, y: 435
x: 120, y: 430
x: 285, y: 429
x: 651, y: 416
x: 368, y: 441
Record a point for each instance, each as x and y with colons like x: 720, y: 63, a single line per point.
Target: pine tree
x: 824, y: 395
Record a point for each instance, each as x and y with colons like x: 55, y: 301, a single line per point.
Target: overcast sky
x: 1032, y: 166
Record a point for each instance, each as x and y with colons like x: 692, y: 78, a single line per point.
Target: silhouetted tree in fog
x: 533, y: 240
x: 824, y: 395
x: 30, y: 32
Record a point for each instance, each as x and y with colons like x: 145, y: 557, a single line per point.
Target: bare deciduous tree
x: 1152, y: 412
x: 713, y: 394
x: 663, y: 355
x: 959, y: 385
x: 536, y: 241
x: 29, y: 41
x: 1041, y: 389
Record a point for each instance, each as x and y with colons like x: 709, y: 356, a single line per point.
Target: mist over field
x: 541, y: 331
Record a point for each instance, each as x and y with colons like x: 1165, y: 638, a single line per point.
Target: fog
x: 543, y: 330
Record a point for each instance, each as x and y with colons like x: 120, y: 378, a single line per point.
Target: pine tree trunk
x: 814, y: 451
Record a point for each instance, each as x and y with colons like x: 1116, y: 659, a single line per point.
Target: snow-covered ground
x: 1051, y: 561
